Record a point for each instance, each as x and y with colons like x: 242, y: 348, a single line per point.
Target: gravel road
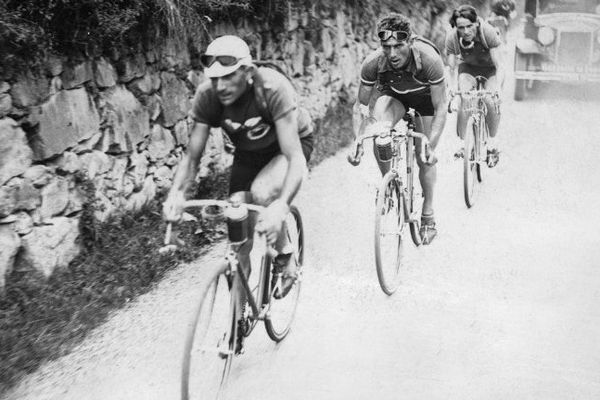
x: 502, y: 305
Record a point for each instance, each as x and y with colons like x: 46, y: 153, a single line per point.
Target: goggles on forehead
x: 386, y: 34
x: 226, y: 61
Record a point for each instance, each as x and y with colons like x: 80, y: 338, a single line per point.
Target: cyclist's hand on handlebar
x: 173, y: 206
x: 430, y: 157
x: 355, y: 158
x: 270, y: 220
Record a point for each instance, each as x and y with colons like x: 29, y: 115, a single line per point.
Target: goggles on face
x: 226, y: 61
x: 386, y: 34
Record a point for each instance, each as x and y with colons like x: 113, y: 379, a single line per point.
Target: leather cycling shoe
x: 284, y: 275
x: 493, y: 156
x: 427, y: 229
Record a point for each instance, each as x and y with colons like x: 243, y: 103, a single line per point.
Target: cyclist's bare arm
x: 452, y: 71
x: 438, y: 99
x: 496, y: 54
x: 186, y: 171
x: 362, y: 101
x: 289, y: 143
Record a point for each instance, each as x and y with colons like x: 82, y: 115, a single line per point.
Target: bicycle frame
x: 260, y: 303
x: 476, y: 107
x: 402, y: 134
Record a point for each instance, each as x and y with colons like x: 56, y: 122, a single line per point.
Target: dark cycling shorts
x: 474, y: 70
x: 247, y: 165
x: 421, y: 102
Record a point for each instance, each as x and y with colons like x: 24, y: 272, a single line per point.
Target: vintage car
x: 560, y: 41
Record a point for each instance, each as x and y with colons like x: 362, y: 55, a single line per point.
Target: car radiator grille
x: 574, y: 48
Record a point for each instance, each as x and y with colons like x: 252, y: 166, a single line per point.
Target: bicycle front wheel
x: 282, y: 311
x: 470, y: 162
x: 211, y: 339
x: 389, y: 227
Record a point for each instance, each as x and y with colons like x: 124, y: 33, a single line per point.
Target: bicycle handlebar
x: 380, y: 129
x: 475, y: 93
x: 197, y: 203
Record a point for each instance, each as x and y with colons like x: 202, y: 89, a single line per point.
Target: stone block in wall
x: 77, y: 74
x: 68, y: 118
x: 4, y: 87
x: 182, y: 132
x: 9, y: 247
x: 28, y: 196
x: 175, y: 99
x: 174, y: 54
x: 105, y: 74
x: 30, y: 90
x: 137, y: 200
x: 104, y: 208
x: 15, y: 153
x: 50, y: 246
x: 161, y: 142
x: 125, y: 118
x: 138, y: 169
x: 116, y: 174
x: 8, y: 200
x: 153, y: 104
x: 131, y: 67
x: 77, y: 199
x: 23, y: 223
x: 162, y: 177
x: 55, y: 197
x: 95, y: 163
x: 39, y: 175
x: 67, y: 162
x: 5, y: 104
x: 144, y: 85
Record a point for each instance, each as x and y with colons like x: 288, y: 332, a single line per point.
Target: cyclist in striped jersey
x: 407, y: 71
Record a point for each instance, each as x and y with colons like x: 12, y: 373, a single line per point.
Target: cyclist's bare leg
x: 465, y: 82
x: 386, y: 108
x: 492, y: 117
x: 427, y: 173
x: 267, y: 187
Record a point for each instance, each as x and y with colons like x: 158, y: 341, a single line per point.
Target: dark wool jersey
x: 246, y: 124
x: 424, y: 68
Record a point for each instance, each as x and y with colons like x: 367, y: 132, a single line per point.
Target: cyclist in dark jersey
x: 474, y: 45
x: 272, y: 139
x: 407, y: 71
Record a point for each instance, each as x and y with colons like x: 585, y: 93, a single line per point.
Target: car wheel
x: 520, y: 89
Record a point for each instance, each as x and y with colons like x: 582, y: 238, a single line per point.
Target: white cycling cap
x: 228, y: 45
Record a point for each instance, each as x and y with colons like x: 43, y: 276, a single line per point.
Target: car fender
x: 528, y: 46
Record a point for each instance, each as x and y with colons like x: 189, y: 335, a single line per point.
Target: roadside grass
x: 41, y: 320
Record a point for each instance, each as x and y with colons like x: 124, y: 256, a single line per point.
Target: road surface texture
x: 502, y: 305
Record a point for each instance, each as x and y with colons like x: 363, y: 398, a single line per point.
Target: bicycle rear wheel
x: 282, y: 311
x: 470, y: 165
x: 211, y: 338
x: 389, y: 226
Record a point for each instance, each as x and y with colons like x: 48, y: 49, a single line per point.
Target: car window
x: 568, y: 6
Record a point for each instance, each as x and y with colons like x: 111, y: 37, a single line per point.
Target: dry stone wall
x: 121, y: 122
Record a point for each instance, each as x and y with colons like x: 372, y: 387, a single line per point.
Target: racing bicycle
x: 398, y: 204
x: 475, y: 154
x: 232, y: 301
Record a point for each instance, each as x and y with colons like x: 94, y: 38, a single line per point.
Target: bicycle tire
x: 209, y: 351
x: 389, y: 199
x: 482, y: 151
x: 282, y: 311
x: 470, y: 162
